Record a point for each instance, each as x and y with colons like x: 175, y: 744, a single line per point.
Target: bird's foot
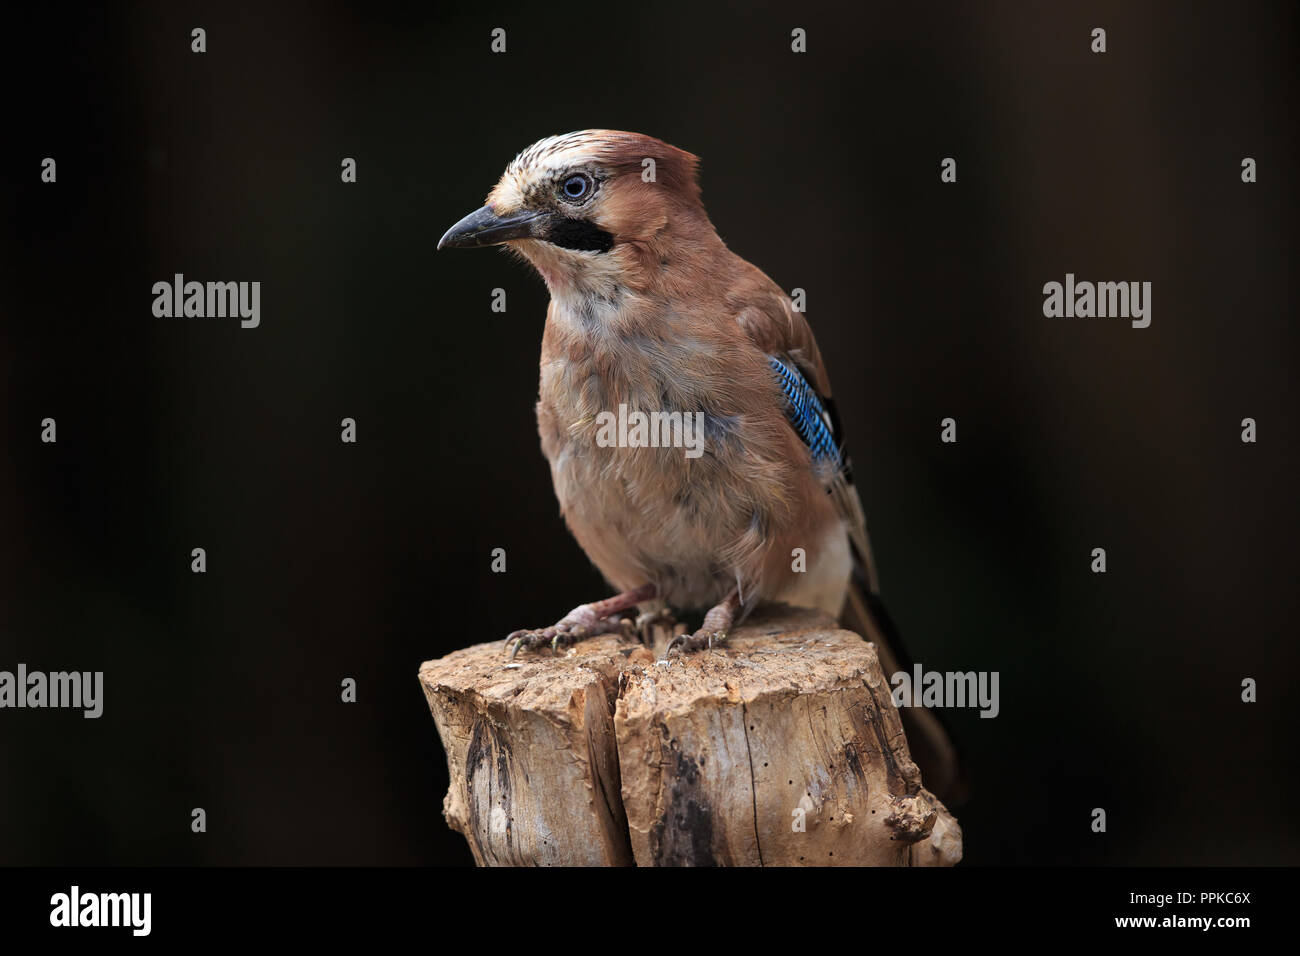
x: 580, y: 623
x: 702, y: 639
x: 714, y: 630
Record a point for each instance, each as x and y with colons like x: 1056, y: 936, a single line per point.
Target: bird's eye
x: 576, y: 187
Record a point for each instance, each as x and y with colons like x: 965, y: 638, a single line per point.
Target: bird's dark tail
x: 943, y: 772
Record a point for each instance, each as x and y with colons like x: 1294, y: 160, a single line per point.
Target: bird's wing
x: 785, y: 337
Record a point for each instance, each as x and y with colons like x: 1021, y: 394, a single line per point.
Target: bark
x: 781, y: 748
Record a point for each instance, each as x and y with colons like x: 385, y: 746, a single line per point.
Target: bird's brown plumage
x: 671, y: 319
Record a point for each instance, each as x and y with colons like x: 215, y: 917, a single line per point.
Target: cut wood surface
x: 780, y: 748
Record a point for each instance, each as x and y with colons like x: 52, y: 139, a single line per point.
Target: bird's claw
x: 573, y: 628
x: 555, y: 635
x: 700, y: 640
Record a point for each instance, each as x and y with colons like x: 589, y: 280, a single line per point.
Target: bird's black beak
x: 485, y: 228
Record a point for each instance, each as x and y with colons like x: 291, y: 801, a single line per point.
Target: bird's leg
x: 714, y: 630
x: 585, y: 620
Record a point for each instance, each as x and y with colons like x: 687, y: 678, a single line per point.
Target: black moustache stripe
x: 580, y: 235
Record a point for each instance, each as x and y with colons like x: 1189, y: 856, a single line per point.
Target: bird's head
x: 587, y: 207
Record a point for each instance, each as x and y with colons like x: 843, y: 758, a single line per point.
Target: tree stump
x: 780, y: 748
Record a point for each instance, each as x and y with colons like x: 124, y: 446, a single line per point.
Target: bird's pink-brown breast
x: 695, y: 526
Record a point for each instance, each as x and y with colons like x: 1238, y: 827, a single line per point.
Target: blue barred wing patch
x: 805, y: 411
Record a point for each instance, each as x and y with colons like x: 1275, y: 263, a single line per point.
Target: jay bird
x: 652, y: 312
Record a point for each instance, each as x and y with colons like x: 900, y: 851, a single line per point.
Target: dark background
x: 328, y: 560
